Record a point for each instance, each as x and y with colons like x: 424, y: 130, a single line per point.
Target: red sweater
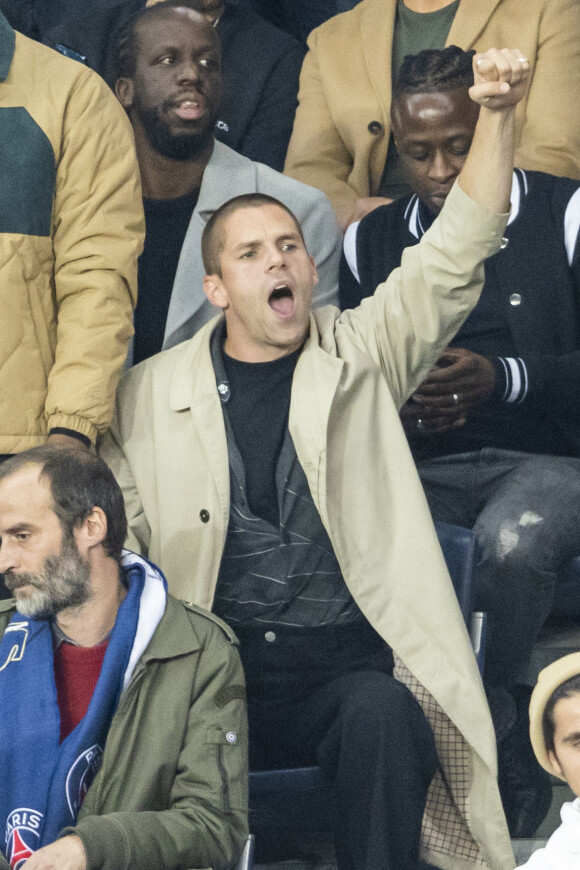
x: 76, y: 671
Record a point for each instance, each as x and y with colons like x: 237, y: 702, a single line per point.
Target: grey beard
x: 64, y: 582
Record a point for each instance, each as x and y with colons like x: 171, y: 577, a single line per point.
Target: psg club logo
x: 80, y: 777
x: 22, y: 834
x: 16, y: 651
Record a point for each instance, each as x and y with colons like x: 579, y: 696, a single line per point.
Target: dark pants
x: 524, y: 510
x: 326, y: 696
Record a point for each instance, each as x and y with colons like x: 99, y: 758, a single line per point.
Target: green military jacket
x: 172, y: 788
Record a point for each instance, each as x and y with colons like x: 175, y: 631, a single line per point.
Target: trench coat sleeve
x: 138, y: 530
x: 550, y: 136
x: 413, y: 315
x: 317, y: 154
x: 98, y: 231
x: 206, y: 824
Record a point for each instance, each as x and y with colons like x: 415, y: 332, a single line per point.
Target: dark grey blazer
x: 261, y: 66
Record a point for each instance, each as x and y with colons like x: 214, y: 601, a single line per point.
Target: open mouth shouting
x: 281, y: 300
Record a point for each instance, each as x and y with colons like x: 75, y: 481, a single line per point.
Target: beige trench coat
x: 342, y: 127
x: 167, y: 447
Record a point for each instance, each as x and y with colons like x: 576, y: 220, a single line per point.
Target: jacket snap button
x: 375, y: 127
x: 204, y: 516
x: 270, y: 636
x: 231, y: 737
x: 504, y: 243
x: 515, y: 299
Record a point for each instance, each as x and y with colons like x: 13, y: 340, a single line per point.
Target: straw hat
x: 549, y: 680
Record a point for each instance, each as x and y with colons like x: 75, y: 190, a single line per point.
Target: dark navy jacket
x: 535, y: 278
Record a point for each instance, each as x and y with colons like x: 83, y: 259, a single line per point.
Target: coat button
x: 270, y: 636
x: 224, y: 391
x: 231, y: 736
x: 515, y: 299
x: 504, y: 243
x: 204, y: 516
x: 375, y: 128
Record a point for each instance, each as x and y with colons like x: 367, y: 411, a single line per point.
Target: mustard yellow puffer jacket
x: 71, y: 229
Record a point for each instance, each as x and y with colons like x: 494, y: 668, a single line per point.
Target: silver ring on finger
x: 455, y: 398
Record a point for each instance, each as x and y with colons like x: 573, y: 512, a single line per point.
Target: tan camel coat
x: 342, y: 127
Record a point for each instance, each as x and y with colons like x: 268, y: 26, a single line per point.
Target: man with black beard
x: 169, y: 81
x: 94, y: 662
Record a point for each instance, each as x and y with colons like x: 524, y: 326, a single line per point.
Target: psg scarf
x: 43, y: 782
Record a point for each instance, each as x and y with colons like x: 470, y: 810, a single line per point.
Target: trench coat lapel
x: 192, y: 390
x: 471, y: 18
x: 315, y: 382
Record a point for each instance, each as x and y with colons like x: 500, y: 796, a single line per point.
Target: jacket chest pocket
x: 27, y: 175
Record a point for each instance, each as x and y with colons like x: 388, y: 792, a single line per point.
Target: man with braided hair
x: 495, y: 426
x: 342, y: 139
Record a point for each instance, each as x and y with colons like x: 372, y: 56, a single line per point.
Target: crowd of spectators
x: 168, y: 159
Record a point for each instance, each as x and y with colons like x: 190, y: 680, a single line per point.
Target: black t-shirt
x: 258, y: 410
x: 166, y: 222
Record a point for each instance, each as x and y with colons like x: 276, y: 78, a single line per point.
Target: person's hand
x: 59, y: 439
x: 500, y: 78
x: 65, y: 854
x: 461, y: 381
x: 428, y: 421
x: 366, y: 204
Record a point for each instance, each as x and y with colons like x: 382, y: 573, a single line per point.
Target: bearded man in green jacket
x: 123, y: 738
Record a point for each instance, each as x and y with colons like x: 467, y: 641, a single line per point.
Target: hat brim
x: 548, y: 681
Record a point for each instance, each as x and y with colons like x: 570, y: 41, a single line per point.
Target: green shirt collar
x: 7, y: 40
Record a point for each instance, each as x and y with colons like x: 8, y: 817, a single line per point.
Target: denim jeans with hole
x: 525, y: 511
